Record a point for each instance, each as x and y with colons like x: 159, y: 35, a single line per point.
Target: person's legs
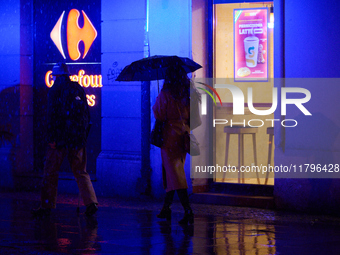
x: 54, y: 159
x: 184, y: 198
x: 188, y: 214
x: 169, y: 197
x: 77, y: 159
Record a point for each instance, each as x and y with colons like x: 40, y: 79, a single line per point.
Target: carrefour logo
x: 75, y: 34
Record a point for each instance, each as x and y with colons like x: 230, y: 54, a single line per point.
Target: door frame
x: 279, y: 72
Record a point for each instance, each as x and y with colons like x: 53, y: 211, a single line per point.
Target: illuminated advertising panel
x: 250, y: 44
x: 69, y: 32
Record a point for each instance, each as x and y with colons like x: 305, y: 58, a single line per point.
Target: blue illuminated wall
x: 169, y: 34
x: 119, y: 163
x: 9, y: 81
x: 16, y: 92
x: 124, y: 36
x: 310, y: 41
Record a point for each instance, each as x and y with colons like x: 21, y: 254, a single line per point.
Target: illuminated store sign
x: 93, y: 81
x: 75, y: 34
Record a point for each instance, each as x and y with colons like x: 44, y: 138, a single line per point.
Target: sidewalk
x: 131, y: 227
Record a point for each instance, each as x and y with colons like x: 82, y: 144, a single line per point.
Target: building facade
x: 302, y: 45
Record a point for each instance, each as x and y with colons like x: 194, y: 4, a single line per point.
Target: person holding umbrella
x: 173, y: 108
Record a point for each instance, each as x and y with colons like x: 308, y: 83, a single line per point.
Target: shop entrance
x: 243, y: 57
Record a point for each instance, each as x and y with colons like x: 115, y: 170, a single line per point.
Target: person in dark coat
x: 68, y: 126
x: 173, y: 107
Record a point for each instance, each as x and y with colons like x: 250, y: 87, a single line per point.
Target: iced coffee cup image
x: 251, y: 47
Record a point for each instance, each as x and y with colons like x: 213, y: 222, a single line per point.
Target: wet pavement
x: 131, y: 227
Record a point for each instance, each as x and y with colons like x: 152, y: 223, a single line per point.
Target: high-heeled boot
x: 165, y: 213
x: 188, y: 217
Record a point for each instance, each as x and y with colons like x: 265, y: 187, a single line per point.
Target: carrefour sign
x: 75, y: 34
x: 74, y: 38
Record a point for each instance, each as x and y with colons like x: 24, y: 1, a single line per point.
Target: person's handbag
x: 195, y: 102
x: 157, y: 134
x: 191, y: 144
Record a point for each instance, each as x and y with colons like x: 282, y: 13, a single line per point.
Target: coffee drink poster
x: 250, y: 44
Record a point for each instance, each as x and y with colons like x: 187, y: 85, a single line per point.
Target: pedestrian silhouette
x: 172, y: 107
x: 68, y: 126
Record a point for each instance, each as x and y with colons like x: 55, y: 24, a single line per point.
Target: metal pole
x: 146, y: 118
x: 145, y: 139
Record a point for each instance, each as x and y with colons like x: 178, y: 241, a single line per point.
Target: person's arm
x: 52, y: 117
x: 159, y: 108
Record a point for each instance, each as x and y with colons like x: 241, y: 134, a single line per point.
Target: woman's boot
x: 166, y: 211
x: 188, y: 214
x: 188, y: 217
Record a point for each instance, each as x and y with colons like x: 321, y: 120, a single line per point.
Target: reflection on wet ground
x: 128, y: 227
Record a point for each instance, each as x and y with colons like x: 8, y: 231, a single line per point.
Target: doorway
x: 245, y: 149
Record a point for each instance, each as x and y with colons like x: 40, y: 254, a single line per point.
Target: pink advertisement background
x: 239, y: 51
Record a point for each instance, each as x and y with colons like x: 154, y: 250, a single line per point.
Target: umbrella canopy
x: 154, y: 68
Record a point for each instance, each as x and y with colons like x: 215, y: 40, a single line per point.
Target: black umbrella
x: 154, y: 68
